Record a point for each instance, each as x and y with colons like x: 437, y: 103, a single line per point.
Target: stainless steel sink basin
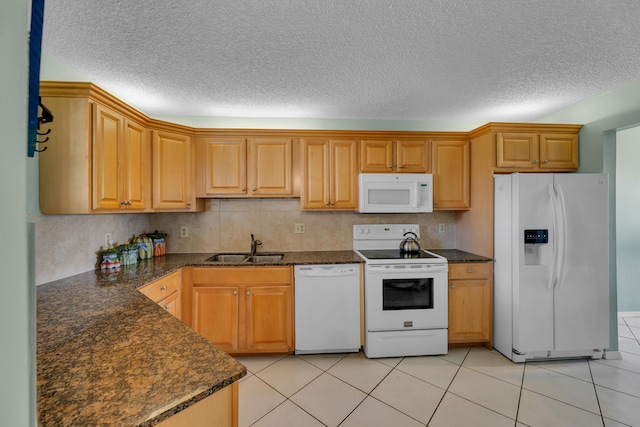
x: 228, y: 257
x: 246, y: 258
x: 266, y: 258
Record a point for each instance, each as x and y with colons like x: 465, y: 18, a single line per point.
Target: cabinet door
x: 267, y: 321
x: 413, y: 156
x: 226, y: 166
x: 315, y: 172
x: 173, y: 304
x: 559, y: 151
x: 172, y: 171
x: 344, y: 175
x: 135, y: 166
x: 215, y: 315
x: 517, y: 150
x: 107, y: 143
x: 451, y: 169
x: 376, y: 156
x: 270, y: 166
x: 469, y: 311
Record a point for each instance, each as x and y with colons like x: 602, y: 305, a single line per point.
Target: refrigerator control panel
x: 536, y: 236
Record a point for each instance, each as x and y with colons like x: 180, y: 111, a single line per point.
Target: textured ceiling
x: 440, y: 60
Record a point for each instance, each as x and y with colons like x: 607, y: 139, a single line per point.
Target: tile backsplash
x: 69, y: 244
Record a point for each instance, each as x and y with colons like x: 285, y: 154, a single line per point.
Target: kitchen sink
x: 266, y: 258
x: 228, y: 257
x: 246, y: 258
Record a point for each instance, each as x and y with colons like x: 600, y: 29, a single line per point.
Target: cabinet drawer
x: 163, y: 287
x: 472, y: 270
x: 240, y: 275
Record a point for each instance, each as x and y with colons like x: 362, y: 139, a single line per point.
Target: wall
x: 628, y: 227
x: 69, y: 244
x: 17, y: 315
x: 227, y: 225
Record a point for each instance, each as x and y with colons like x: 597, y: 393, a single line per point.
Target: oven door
x: 405, y: 297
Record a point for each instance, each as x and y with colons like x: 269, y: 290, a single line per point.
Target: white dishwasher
x: 327, y: 308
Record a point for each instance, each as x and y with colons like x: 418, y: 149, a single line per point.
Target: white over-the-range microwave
x: 395, y: 193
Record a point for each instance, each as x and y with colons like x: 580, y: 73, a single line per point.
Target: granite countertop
x: 457, y: 256
x: 107, y: 355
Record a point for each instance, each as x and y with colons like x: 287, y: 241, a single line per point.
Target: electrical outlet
x: 441, y: 228
x: 184, y: 231
x: 299, y: 228
x: 107, y: 239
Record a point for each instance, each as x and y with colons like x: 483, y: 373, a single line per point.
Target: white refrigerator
x: 551, y: 271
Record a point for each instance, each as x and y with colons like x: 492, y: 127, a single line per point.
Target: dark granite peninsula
x: 108, y: 355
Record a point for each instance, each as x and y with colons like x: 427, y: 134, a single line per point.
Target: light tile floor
x: 467, y: 387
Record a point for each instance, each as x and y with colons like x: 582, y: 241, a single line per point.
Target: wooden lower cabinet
x: 244, y: 309
x: 218, y: 410
x: 470, y: 303
x: 166, y: 292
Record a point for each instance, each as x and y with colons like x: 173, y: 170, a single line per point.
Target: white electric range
x: 405, y: 293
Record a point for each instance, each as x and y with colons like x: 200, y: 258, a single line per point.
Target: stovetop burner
x: 396, y: 254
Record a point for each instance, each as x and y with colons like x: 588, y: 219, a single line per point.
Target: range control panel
x: 536, y: 236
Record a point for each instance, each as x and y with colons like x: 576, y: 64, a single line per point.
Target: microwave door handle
x: 416, y: 188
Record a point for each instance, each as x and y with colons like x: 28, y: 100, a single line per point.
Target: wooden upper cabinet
x: 121, y: 168
x: 451, y: 175
x: 225, y: 169
x: 240, y: 167
x: 376, y: 156
x: 558, y: 151
x: 172, y: 172
x: 394, y: 156
x: 329, y: 174
x: 97, y: 160
x: 108, y: 147
x: 536, y: 152
x: 135, y: 166
x: 269, y: 170
x: 517, y: 150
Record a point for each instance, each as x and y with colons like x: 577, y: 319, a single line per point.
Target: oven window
x: 407, y: 294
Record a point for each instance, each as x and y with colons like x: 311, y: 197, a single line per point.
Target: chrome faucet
x: 254, y: 245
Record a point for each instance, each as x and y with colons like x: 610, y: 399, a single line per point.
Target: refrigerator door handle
x: 563, y: 234
x: 554, y: 211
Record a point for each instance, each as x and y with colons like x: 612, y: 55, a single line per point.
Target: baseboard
x: 629, y: 314
x: 611, y: 355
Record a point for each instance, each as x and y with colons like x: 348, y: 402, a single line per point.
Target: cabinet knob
x: 400, y: 166
x: 189, y: 203
x: 469, y: 271
x: 327, y: 203
x: 535, y: 162
x: 253, y: 189
x: 167, y: 307
x: 164, y: 288
x: 453, y: 286
x: 244, y: 189
x: 122, y: 203
x: 544, y: 162
x: 390, y: 166
x: 235, y: 292
x: 248, y: 293
x: 332, y: 203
